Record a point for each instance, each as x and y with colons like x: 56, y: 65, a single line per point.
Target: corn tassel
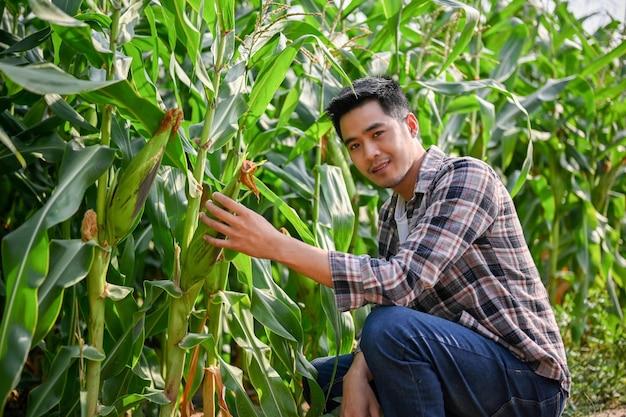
x: 127, y: 199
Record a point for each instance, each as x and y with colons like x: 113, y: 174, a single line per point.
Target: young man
x: 465, y: 327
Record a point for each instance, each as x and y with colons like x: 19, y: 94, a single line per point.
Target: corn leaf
x: 70, y: 261
x: 25, y: 257
x: 49, y: 393
x: 271, y: 307
x: 47, y: 78
x: 287, y: 211
x: 274, y: 396
x: 338, y: 208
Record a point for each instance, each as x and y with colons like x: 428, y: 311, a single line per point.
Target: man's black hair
x: 386, y: 91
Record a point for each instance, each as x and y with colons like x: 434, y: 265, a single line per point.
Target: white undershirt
x: 399, y: 216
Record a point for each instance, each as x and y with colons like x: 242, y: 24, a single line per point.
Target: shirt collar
x: 430, y: 165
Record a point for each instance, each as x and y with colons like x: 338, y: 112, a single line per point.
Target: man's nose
x: 372, y: 151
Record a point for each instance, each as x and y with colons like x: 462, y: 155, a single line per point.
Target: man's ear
x: 413, y: 124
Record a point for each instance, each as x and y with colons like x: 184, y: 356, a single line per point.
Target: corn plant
x: 118, y: 119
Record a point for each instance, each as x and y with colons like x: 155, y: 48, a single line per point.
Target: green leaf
x: 226, y: 15
x: 130, y: 401
x: 143, y: 113
x: 523, y: 173
x: 49, y: 12
x: 488, y: 118
x: 184, y: 28
x: 271, y: 306
x: 513, y: 109
x: 191, y: 340
x: 25, y: 257
x: 28, y: 43
x: 271, y: 77
x: 13, y: 153
x: 274, y: 315
x: 533, y: 102
x: 230, y: 107
x: 583, y: 99
x: 274, y: 396
x: 232, y: 377
x: 48, y: 148
x: 604, y: 60
x: 511, y: 51
x: 125, y: 327
x: 92, y: 354
x: 85, y: 42
x: 158, y: 211
x: 47, y: 78
x: 342, y: 324
x: 117, y: 292
x: 67, y: 112
x: 19, y: 318
x: 393, y: 13
x: 287, y: 211
x: 141, y: 81
x: 70, y: 261
x: 45, y: 396
x: 297, y: 176
x: 311, y: 137
x: 337, y: 203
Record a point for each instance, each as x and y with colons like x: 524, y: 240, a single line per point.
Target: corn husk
x: 127, y: 199
x: 200, y: 256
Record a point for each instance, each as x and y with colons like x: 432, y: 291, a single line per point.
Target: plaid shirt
x: 465, y: 260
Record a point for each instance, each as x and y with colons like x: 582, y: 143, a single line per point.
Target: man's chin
x: 384, y: 182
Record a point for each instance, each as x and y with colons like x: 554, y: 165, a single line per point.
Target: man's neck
x: 408, y: 188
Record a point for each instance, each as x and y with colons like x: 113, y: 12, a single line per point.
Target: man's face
x: 383, y: 148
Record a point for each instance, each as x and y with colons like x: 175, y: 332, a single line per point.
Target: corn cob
x: 127, y: 199
x: 201, y: 256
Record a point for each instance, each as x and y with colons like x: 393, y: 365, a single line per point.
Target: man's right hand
x: 359, y: 399
x: 248, y: 232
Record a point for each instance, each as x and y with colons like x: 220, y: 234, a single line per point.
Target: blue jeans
x: 430, y: 367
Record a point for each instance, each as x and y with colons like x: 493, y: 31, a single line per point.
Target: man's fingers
x: 214, y: 224
x: 221, y: 228
x: 224, y: 214
x: 375, y: 410
x: 216, y: 241
x: 228, y: 203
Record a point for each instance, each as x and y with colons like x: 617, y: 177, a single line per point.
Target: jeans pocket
x: 518, y: 407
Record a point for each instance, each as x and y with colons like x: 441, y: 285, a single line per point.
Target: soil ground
x: 619, y: 412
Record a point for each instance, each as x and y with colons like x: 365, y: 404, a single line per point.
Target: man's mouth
x: 378, y: 167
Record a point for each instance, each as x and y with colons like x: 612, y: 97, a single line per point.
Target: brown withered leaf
x: 213, y: 377
x: 246, y: 176
x: 206, y: 195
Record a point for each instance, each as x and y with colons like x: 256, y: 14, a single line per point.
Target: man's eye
x: 378, y: 133
x: 353, y: 146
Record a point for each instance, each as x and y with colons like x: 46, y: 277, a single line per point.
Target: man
x: 466, y: 328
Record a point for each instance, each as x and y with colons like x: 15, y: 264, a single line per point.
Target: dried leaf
x: 246, y: 176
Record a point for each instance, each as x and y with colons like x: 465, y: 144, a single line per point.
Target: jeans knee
x: 319, y: 363
x: 379, y: 324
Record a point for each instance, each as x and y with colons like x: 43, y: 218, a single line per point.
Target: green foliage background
x: 108, y: 327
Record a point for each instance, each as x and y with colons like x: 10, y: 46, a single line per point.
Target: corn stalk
x: 96, y: 279
x: 197, y: 256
